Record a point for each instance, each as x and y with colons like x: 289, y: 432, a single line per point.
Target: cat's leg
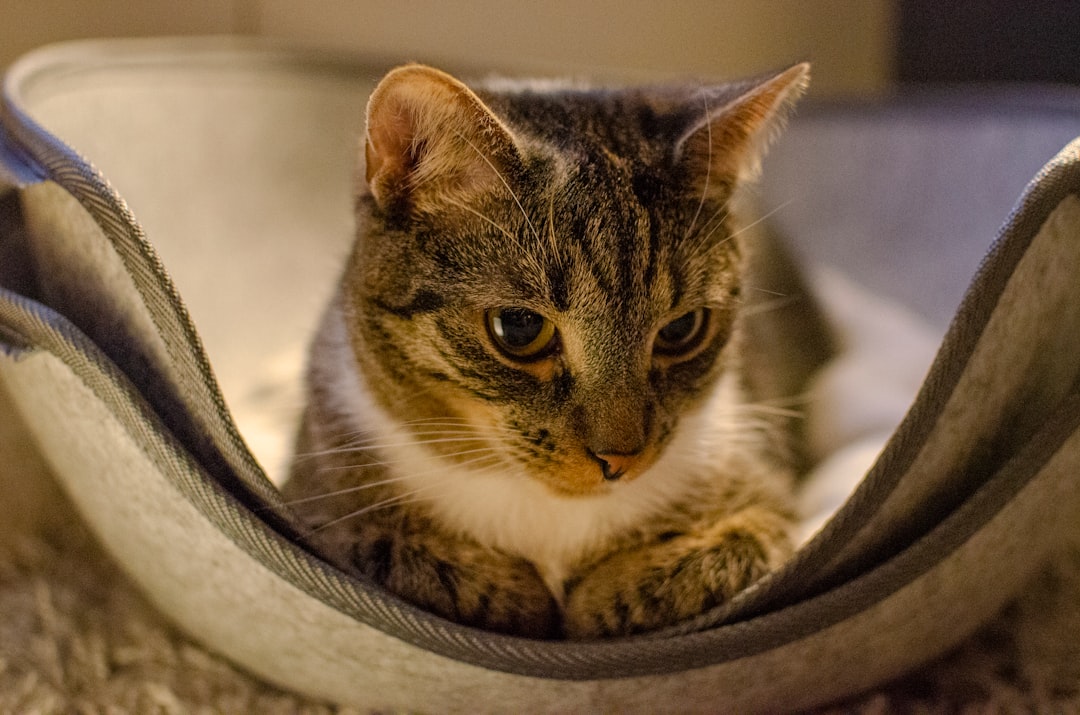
x: 676, y: 575
x: 458, y: 579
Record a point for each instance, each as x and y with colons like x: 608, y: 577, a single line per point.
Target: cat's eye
x: 521, y: 333
x: 682, y: 335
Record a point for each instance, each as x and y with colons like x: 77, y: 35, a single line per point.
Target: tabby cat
x: 540, y: 402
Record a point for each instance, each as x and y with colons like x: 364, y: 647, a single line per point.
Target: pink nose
x: 614, y: 466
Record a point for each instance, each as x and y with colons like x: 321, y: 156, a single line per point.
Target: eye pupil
x: 521, y: 333
x: 683, y: 334
x: 679, y: 329
x: 517, y: 328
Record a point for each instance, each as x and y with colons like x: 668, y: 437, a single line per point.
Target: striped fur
x: 607, y: 486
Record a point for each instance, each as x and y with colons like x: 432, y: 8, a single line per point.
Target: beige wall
x: 847, y: 40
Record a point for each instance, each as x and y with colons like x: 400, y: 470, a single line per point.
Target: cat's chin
x: 560, y: 488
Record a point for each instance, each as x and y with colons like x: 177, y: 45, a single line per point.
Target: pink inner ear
x: 430, y: 139
x: 388, y: 150
x: 372, y: 161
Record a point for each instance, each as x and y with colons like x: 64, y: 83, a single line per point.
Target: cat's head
x: 552, y: 275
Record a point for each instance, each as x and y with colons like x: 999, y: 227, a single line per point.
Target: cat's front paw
x: 667, y: 581
x: 462, y: 582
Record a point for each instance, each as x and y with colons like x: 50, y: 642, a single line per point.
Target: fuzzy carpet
x: 76, y: 637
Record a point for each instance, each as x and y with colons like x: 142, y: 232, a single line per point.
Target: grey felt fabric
x: 124, y: 338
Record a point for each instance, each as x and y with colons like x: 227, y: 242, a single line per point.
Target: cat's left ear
x: 727, y: 145
x: 430, y: 138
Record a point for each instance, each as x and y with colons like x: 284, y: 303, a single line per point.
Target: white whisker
x: 365, y: 437
x: 505, y: 183
x: 765, y: 216
x: 556, y: 249
x: 347, y: 490
x: 377, y: 446
x: 398, y: 479
x: 399, y: 499
x: 769, y: 306
x: 392, y: 501
x: 708, y: 165
x: 777, y: 293
x: 393, y: 462
x: 773, y: 410
x: 449, y: 422
x: 490, y: 221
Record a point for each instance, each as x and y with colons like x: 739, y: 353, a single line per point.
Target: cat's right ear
x: 430, y: 139
x: 727, y: 144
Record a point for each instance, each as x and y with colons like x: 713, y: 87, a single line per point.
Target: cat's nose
x: 614, y: 466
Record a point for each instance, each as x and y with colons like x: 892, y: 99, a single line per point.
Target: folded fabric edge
x: 813, y: 569
x: 33, y: 155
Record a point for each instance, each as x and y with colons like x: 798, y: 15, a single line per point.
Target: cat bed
x: 156, y: 360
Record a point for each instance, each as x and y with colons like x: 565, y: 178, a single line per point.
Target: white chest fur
x: 513, y: 512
